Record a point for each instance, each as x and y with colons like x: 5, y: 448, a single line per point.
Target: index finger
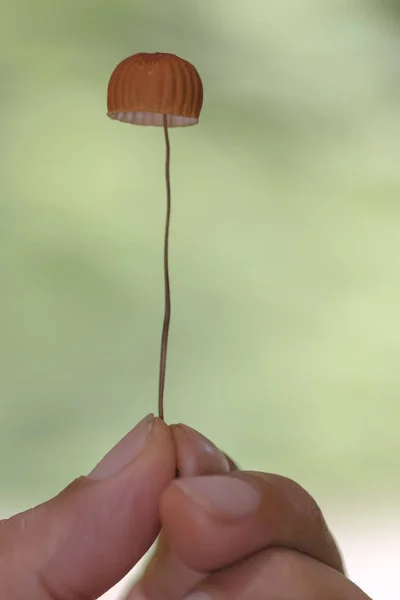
x: 213, y: 521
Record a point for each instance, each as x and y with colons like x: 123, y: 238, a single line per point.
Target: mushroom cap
x: 144, y: 87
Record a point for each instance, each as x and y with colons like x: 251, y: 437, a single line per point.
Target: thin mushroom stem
x: 167, y: 313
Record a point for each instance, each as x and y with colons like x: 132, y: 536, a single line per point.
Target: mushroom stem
x: 167, y: 313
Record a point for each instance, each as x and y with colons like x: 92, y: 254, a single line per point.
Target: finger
x: 235, y: 515
x: 87, y: 538
x: 166, y: 575
x: 196, y: 454
x: 232, y: 464
x: 277, y: 574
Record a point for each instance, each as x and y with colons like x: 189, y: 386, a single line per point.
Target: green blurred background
x: 285, y: 334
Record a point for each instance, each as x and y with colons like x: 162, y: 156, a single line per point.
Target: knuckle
x: 298, y: 498
x: 312, y: 528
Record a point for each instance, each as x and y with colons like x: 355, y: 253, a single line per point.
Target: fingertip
x: 235, y: 515
x: 214, y: 510
x: 158, y: 462
x: 196, y: 454
x: 106, y: 525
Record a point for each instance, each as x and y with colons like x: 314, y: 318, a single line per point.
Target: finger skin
x: 233, y: 466
x: 196, y: 454
x: 166, y: 575
x: 287, y: 516
x: 277, y: 574
x: 84, y: 540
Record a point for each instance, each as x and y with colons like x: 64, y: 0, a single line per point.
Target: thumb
x: 83, y: 541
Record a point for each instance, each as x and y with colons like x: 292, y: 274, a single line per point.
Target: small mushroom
x: 163, y: 90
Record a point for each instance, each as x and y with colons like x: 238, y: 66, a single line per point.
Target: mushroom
x: 163, y: 90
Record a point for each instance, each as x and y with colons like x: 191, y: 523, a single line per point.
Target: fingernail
x: 230, y: 497
x: 125, y: 451
x: 203, y: 457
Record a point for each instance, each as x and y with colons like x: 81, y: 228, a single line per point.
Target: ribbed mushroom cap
x: 144, y: 87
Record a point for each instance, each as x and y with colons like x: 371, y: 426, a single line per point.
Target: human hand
x: 82, y: 542
x: 230, y: 535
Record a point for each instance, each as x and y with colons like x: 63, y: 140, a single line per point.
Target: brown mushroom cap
x: 144, y: 87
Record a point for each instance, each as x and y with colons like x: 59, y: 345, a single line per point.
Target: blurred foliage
x: 285, y: 338
x: 391, y: 6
